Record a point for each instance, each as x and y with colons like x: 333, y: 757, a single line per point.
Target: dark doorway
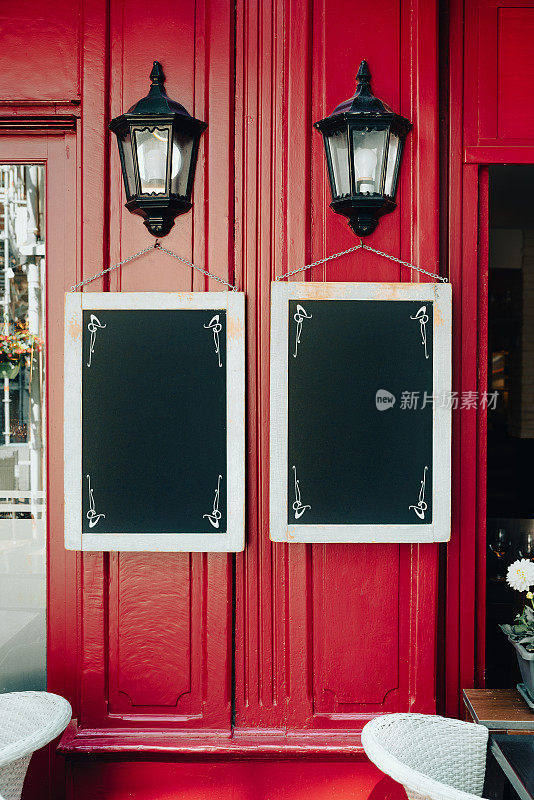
x: 510, y: 488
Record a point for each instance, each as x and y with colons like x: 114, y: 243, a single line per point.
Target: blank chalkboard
x: 161, y: 456
x: 360, y: 412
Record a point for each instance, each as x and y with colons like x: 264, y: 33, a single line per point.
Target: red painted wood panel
x: 231, y: 781
x: 40, y: 51
x: 156, y: 627
x: 499, y: 70
x: 515, y: 114
x: 314, y: 623
x: 146, y: 670
x: 351, y: 607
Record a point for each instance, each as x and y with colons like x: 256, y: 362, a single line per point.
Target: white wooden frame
x: 234, y: 305
x: 437, y: 531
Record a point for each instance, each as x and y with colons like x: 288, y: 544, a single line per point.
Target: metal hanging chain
x: 158, y: 246
x: 155, y: 246
x: 362, y: 246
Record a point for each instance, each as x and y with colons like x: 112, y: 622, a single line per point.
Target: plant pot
x: 9, y: 369
x: 526, y: 665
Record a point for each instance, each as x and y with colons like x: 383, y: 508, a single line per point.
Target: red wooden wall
x: 284, y: 651
x: 488, y: 108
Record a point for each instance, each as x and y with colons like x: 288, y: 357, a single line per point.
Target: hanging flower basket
x: 16, y: 343
x: 9, y: 369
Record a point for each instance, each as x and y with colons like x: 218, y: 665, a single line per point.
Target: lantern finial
x: 364, y: 73
x: 157, y: 75
x: 364, y: 99
x: 157, y: 81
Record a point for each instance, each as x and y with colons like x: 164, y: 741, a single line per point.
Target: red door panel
x: 326, y: 634
x: 346, y: 608
x: 40, y: 60
x: 150, y: 659
x: 499, y: 70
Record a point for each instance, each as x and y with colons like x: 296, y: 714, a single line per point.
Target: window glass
x: 22, y: 429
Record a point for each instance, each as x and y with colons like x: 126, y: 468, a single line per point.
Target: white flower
x: 520, y: 575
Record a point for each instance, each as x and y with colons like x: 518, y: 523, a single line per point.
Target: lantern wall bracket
x: 156, y: 246
x: 362, y: 246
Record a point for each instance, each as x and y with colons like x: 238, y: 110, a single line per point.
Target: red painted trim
x: 466, y: 351
x: 27, y: 125
x: 258, y: 745
x: 455, y: 230
x: 482, y: 433
x: 499, y: 154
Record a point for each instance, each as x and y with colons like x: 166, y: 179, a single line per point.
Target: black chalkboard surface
x: 357, y: 460
x: 149, y: 461
x: 154, y: 421
x: 361, y: 420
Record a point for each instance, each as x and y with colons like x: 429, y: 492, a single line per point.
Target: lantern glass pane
x: 369, y: 147
x: 152, y: 146
x: 128, y: 171
x: 391, y: 169
x: 338, y: 150
x: 182, y: 151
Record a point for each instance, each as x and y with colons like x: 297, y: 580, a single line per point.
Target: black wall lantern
x: 363, y: 140
x: 158, y: 146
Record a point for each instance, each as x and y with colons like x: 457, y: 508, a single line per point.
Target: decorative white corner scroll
x: 91, y: 515
x: 92, y: 327
x: 215, y: 325
x: 215, y: 515
x: 298, y: 507
x: 300, y: 314
x: 422, y: 316
x: 421, y: 506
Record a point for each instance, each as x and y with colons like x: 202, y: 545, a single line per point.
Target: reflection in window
x: 22, y: 445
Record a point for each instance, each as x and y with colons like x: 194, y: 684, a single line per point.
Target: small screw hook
x: 157, y: 245
x: 361, y: 243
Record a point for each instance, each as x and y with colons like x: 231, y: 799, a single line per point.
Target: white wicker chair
x: 28, y: 721
x: 432, y: 757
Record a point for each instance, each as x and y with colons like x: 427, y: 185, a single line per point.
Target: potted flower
x: 14, y: 346
x: 520, y: 576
